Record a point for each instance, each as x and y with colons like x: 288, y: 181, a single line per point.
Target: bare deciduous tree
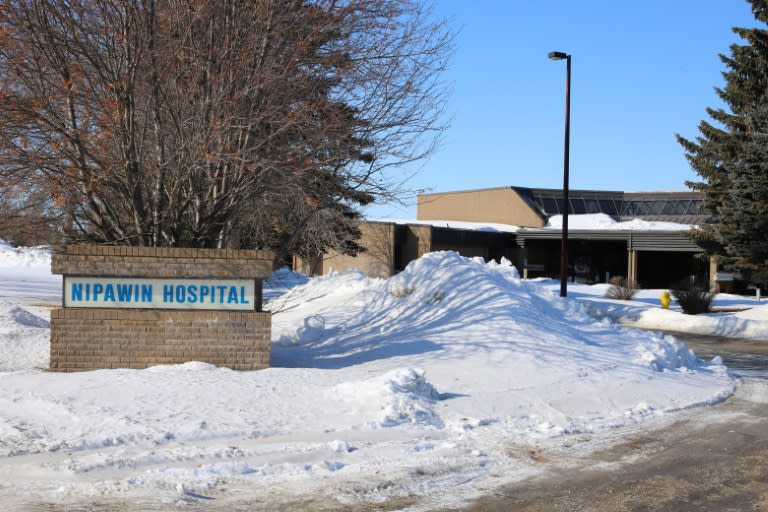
x: 201, y: 122
x: 27, y: 215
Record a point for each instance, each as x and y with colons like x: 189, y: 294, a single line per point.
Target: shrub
x: 620, y: 289
x: 693, y: 297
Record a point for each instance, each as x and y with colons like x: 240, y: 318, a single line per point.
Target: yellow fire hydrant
x: 665, y: 299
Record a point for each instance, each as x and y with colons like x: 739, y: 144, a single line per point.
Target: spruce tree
x: 731, y: 156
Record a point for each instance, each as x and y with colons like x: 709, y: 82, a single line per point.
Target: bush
x: 620, y: 289
x: 693, y: 298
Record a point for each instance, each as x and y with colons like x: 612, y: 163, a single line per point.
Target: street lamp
x: 564, y: 237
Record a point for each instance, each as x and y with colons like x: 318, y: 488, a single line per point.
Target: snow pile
x: 601, y: 221
x: 478, y: 330
x: 282, y: 281
x: 25, y: 277
x: 24, y: 256
x: 669, y: 355
x: 758, y: 313
x: 425, y: 384
x: 400, y: 396
x: 321, y: 291
x: 644, y: 312
x: 24, y: 339
x: 25, y: 274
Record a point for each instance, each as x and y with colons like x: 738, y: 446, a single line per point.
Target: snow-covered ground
x: 433, y: 386
x: 738, y: 317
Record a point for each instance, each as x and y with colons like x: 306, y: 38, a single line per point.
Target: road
x: 715, y: 459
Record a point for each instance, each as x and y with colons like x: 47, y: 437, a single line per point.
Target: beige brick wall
x: 418, y: 242
x: 83, y: 339
x: 88, y: 339
x: 502, y: 205
x: 378, y: 259
x: 118, y: 261
x: 382, y: 255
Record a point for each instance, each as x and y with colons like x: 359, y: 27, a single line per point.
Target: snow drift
x: 431, y: 379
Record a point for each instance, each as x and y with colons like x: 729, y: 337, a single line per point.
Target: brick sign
x: 136, y: 293
x: 135, y: 307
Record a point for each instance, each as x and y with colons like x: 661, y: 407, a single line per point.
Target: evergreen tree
x: 731, y: 156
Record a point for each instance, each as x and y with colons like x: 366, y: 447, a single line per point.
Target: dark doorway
x: 596, y: 261
x: 589, y: 261
x: 657, y: 269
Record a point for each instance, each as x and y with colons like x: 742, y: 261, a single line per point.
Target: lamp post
x: 564, y: 237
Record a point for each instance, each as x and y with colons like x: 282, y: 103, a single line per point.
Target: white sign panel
x: 138, y: 293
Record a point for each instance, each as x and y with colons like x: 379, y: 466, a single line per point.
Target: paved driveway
x: 714, y: 459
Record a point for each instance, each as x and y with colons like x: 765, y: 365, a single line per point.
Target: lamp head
x: 558, y: 55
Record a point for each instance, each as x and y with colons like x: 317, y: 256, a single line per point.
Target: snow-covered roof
x: 455, y: 224
x: 601, y: 221
x: 594, y: 222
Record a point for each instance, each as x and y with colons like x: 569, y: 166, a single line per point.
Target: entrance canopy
x: 635, y: 240
x: 649, y: 259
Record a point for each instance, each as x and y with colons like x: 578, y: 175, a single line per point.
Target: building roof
x: 491, y: 227
x: 683, y: 207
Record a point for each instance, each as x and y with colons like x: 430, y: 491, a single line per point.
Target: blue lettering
x: 181, y: 293
x: 88, y: 291
x: 109, y: 293
x: 77, y: 291
x: 97, y: 289
x: 192, y: 292
x: 146, y: 293
x: 232, y: 297
x: 243, y: 298
x: 124, y: 292
x: 222, y: 289
x: 167, y: 293
x: 204, y: 292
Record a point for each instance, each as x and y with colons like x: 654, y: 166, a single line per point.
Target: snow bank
x: 24, y: 256
x: 24, y: 339
x: 400, y: 396
x: 282, y: 281
x: 752, y: 323
x: 478, y: 330
x: 25, y: 274
x: 758, y: 313
x: 739, y: 317
x: 25, y: 277
x: 425, y: 384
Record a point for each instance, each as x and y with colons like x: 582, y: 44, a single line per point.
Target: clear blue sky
x: 641, y: 72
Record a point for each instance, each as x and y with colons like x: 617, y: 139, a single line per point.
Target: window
x: 609, y: 207
x: 644, y: 207
x: 577, y: 205
x: 629, y: 209
x: 695, y: 207
x: 550, y: 206
x: 593, y: 206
